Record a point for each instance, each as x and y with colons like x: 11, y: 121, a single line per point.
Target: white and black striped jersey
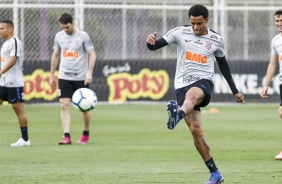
x: 14, y: 76
x: 73, y: 54
x: 276, y: 49
x: 195, y: 54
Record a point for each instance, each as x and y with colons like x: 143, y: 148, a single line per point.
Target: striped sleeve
x: 16, y: 51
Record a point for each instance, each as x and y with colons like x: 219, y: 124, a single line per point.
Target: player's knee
x: 188, y: 104
x: 65, y: 106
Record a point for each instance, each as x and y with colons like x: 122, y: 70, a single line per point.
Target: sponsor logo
x: 188, y: 40
x: 190, y: 78
x: 118, y: 69
x: 214, y: 37
x: 195, y: 57
x: 186, y: 30
x: 13, y: 100
x: 36, y: 85
x: 70, y: 54
x: 145, y: 84
x: 198, y: 42
x: 70, y: 74
x: 211, y: 164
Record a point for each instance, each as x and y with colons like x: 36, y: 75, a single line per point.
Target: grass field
x: 130, y: 144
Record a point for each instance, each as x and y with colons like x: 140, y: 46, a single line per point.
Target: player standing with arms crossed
x: 12, y: 79
x: 75, y: 51
x: 275, y: 58
x: 197, y: 46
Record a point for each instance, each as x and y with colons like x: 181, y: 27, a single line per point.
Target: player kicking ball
x: 197, y: 46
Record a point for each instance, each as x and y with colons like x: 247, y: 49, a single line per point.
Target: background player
x: 275, y: 58
x: 77, y: 59
x: 12, y: 79
x: 197, y: 45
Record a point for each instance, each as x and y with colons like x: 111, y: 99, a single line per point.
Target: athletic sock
x: 180, y: 115
x: 67, y: 135
x: 211, y: 165
x: 85, y: 132
x: 24, y: 133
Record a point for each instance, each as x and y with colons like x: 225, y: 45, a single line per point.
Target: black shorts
x: 12, y: 94
x: 204, y: 84
x: 67, y: 88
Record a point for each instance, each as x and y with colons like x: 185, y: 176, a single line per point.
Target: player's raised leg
x: 172, y: 114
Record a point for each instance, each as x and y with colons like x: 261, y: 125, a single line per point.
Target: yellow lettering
x: 145, y: 84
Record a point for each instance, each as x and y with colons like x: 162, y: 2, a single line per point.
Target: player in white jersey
x: 275, y: 58
x: 197, y: 48
x: 75, y: 51
x: 12, y: 79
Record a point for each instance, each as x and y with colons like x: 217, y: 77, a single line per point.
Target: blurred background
x: 118, y: 29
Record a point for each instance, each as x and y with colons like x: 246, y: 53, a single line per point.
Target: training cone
x: 213, y: 110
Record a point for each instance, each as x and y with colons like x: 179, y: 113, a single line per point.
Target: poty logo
x: 70, y: 54
x: 36, y: 85
x: 145, y: 84
x: 195, y: 57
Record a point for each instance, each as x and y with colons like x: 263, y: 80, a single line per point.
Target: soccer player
x: 275, y: 58
x: 197, y: 48
x: 12, y: 79
x: 75, y: 51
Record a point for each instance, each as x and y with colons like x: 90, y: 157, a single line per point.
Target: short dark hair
x: 198, y: 10
x: 278, y: 12
x: 9, y: 22
x: 66, y: 18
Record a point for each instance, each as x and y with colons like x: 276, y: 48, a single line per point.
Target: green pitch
x: 130, y: 144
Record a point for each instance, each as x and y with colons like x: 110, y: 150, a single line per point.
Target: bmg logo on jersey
x: 195, y: 57
x: 70, y: 54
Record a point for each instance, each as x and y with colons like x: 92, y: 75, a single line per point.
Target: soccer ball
x: 84, y: 99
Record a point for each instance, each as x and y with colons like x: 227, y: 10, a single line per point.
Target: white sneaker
x: 279, y: 156
x: 21, y: 142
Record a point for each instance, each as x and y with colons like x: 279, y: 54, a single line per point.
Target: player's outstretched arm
x: 225, y: 70
x: 154, y: 44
